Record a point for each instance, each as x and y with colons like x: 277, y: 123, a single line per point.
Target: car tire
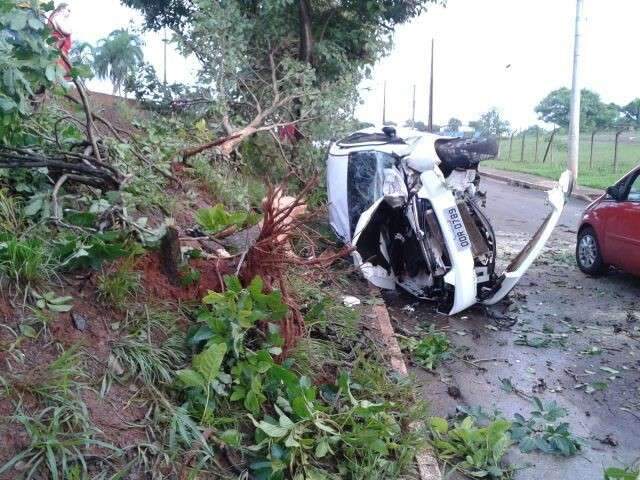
x: 588, y: 255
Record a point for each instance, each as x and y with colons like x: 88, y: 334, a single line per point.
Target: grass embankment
x: 112, y: 368
x: 599, y: 175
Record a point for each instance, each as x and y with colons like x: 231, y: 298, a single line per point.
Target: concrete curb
x: 535, y: 186
x: 425, y: 460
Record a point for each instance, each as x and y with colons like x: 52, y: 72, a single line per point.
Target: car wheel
x: 588, y: 253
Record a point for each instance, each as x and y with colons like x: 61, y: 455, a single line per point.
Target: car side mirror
x: 614, y: 192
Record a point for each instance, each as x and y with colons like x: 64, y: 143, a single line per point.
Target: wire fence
x: 604, y: 155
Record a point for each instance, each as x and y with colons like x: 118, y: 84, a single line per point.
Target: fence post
x: 535, y: 156
x: 510, y: 146
x: 524, y: 135
x: 615, y: 151
x: 593, y: 134
x: 553, y: 134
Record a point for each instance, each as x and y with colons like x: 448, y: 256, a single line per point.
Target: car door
x: 623, y: 228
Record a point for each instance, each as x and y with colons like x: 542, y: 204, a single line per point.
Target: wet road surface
x: 590, y: 359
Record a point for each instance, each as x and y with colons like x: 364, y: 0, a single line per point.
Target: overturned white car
x: 407, y: 201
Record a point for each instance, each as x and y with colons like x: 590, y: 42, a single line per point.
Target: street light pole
x: 413, y: 108
x: 384, y: 104
x: 430, y: 125
x: 165, y: 55
x: 574, y: 114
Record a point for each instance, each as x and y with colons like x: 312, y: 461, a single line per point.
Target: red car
x: 610, y: 230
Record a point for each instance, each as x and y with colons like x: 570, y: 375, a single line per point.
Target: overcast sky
x: 475, y: 41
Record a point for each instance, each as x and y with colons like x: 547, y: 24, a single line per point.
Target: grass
x: 234, y: 190
x: 151, y: 351
x: 58, y: 427
x: 119, y: 287
x: 599, y: 175
x: 58, y: 441
x: 24, y: 262
x: 11, y: 218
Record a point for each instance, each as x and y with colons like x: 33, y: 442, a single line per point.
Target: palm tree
x: 117, y: 56
x: 82, y: 53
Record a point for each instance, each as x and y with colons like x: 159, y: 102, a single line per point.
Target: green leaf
x: 6, y: 104
x: 190, y: 378
x: 291, y: 441
x: 233, y: 283
x: 238, y: 394
x: 35, y: 23
x: 439, y: 425
x: 527, y: 445
x: 18, y: 19
x: 34, y: 206
x: 28, y: 331
x: 322, y: 448
x: 379, y: 446
x: 51, y: 72
x: 207, y: 363
x: 231, y: 437
x: 59, y: 308
x: 274, y: 431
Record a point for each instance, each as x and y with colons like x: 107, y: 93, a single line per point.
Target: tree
x: 490, y: 123
x: 594, y: 114
x: 269, y: 63
x: 631, y: 112
x: 117, y: 56
x: 454, y: 124
x: 421, y: 126
x: 333, y: 37
x: 82, y: 53
x: 28, y: 62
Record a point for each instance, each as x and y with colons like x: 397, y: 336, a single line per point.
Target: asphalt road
x: 514, y: 208
x: 589, y: 362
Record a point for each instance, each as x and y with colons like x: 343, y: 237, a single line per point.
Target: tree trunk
x: 306, y: 33
x: 170, y: 255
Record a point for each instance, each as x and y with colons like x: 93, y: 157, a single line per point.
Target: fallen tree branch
x: 191, y: 152
x: 92, y: 173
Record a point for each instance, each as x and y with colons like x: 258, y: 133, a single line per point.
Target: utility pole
x: 430, y: 126
x: 165, y: 55
x: 413, y: 108
x: 574, y: 114
x: 384, y: 104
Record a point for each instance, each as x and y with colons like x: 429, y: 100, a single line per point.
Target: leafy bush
x: 475, y: 451
x: 296, y: 429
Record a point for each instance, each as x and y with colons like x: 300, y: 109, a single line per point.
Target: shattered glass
x: 365, y: 181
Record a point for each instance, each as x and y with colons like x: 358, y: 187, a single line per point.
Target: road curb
x: 425, y: 459
x: 532, y: 185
